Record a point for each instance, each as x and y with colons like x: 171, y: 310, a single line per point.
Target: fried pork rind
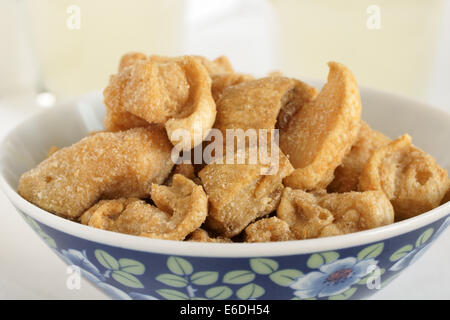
x: 103, y: 166
x: 130, y: 59
x: 446, y: 197
x: 313, y: 215
x: 185, y: 169
x: 118, y: 119
x: 256, y: 104
x: 216, y: 66
x: 176, y: 93
x: 267, y: 230
x: 52, y: 150
x: 240, y: 193
x: 181, y: 209
x: 201, y: 235
x: 221, y: 81
x: 346, y: 176
x: 410, y: 178
x: 322, y: 132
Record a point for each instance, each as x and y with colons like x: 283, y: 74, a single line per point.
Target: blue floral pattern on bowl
x: 350, y: 273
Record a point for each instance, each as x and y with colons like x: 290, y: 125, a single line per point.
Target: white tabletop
x: 29, y: 270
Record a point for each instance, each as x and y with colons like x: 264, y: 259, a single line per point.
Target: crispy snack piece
x: 216, y: 66
x: 130, y: 59
x: 52, y: 150
x: 118, y: 119
x: 221, y: 81
x: 201, y: 235
x: 185, y: 169
x: 105, y: 165
x: 267, y: 230
x: 410, y: 178
x: 312, y: 215
x: 346, y: 176
x: 256, y: 104
x: 240, y: 193
x: 176, y: 93
x: 321, y: 133
x: 181, y: 209
x: 446, y: 197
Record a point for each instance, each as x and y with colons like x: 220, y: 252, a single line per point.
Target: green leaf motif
x: 371, y: 275
x: 318, y: 259
x: 131, y: 266
x: 344, y: 295
x: 238, y: 277
x: 33, y: 224
x: 106, y: 260
x: 204, y: 278
x: 263, y: 266
x: 250, y: 291
x: 171, y: 294
x: 285, y: 277
x: 172, y: 280
x: 126, y: 279
x: 371, y: 251
x: 218, y: 293
x: 424, y: 237
x: 49, y: 240
x: 179, y: 266
x: 400, y: 253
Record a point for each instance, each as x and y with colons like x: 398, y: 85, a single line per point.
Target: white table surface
x: 29, y: 270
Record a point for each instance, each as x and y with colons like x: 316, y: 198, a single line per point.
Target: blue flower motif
x: 79, y: 258
x: 418, y: 252
x: 332, y: 278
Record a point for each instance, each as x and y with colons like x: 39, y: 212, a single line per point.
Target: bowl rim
x: 217, y: 250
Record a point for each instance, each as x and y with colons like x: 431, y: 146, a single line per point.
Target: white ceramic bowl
x: 127, y: 266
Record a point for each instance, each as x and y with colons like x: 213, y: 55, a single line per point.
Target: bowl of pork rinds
x: 185, y: 179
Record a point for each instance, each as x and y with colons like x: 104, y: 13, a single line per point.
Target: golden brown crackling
x: 409, y: 177
x: 217, y: 66
x: 268, y: 230
x: 185, y: 169
x: 201, y: 235
x: 130, y: 59
x: 313, y: 215
x: 176, y: 93
x: 256, y: 104
x: 240, y: 193
x: 346, y: 176
x: 446, y: 197
x: 221, y: 81
x: 322, y: 132
x: 105, y: 165
x: 52, y: 150
x: 180, y: 209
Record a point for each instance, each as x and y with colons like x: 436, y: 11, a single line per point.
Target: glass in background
x: 398, y: 56
x: 78, y: 43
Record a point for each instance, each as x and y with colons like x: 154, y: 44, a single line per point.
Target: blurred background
x: 52, y: 50
x: 69, y: 47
